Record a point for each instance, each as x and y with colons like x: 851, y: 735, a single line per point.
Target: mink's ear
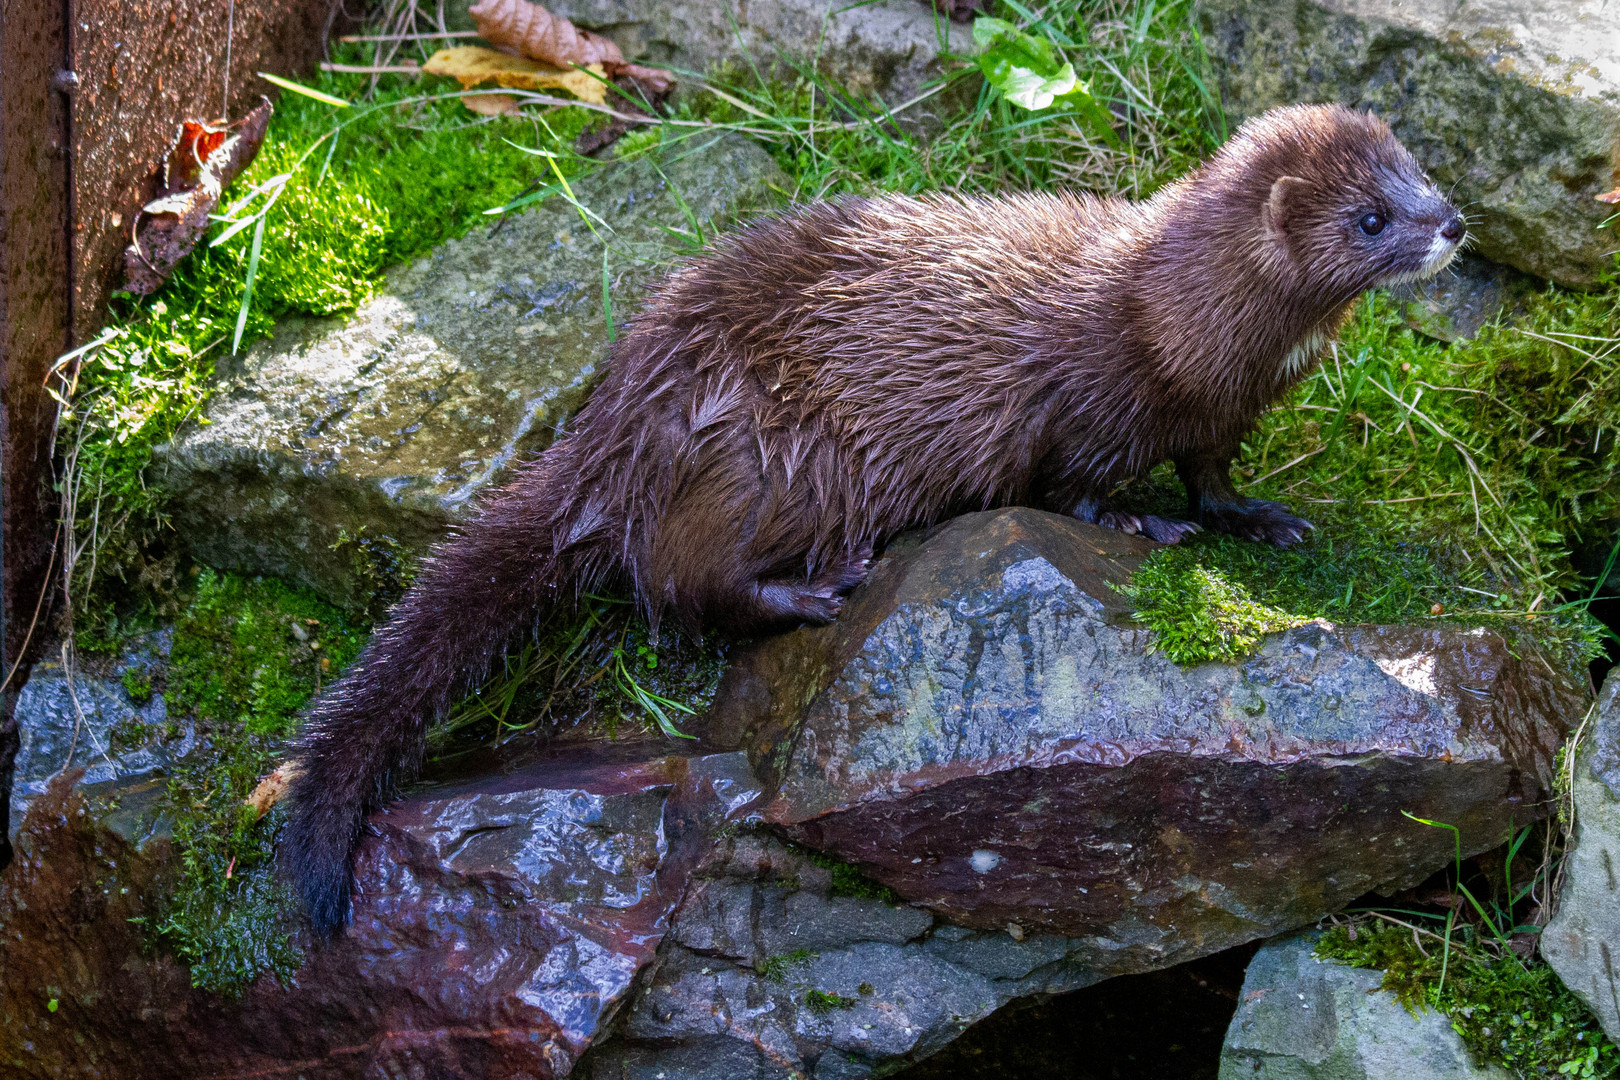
x: 1280, y: 208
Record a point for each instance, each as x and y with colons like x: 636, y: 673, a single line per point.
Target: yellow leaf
x: 471, y: 66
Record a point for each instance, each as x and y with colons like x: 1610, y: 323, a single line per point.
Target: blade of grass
x: 247, y: 289
x: 288, y: 84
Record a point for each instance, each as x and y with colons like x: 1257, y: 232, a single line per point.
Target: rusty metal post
x: 91, y: 92
x: 143, y: 66
x: 35, y: 323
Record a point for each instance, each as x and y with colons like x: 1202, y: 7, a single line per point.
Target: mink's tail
x: 524, y: 553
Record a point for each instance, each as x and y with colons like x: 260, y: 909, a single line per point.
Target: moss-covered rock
x: 1300, y: 1018
x: 333, y: 448
x: 1581, y: 941
x: 102, y: 715
x: 1517, y: 104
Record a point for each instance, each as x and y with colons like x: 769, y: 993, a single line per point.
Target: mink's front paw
x: 1260, y: 520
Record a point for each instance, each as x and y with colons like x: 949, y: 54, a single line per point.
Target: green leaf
x: 1025, y: 68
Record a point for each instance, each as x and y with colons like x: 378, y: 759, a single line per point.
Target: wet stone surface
x: 95, y: 722
x: 499, y: 924
x: 337, y: 443
x: 985, y: 732
x: 773, y: 971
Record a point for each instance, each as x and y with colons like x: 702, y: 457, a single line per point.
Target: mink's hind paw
x: 1164, y: 530
x: 1260, y: 520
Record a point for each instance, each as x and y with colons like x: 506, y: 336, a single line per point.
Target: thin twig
x: 411, y: 37
x: 409, y: 67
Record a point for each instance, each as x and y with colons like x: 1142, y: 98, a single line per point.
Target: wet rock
x: 499, y: 925
x: 890, y: 48
x: 1514, y: 103
x: 1299, y: 1018
x: 334, y: 447
x: 773, y: 970
x: 1582, y: 940
x: 986, y: 732
x: 106, y: 720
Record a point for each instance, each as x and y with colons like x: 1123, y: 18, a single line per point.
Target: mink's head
x: 1341, y: 202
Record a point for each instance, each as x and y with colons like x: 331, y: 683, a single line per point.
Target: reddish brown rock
x: 500, y: 923
x: 986, y: 732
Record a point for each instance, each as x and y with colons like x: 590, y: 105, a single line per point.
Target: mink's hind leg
x: 1165, y: 530
x: 770, y: 603
x: 1215, y: 503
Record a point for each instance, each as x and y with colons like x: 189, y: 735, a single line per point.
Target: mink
x: 825, y: 378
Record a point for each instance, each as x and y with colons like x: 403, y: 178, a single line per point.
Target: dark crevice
x: 1168, y: 1024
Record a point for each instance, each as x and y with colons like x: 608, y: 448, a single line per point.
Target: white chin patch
x: 1441, y: 252
x: 1302, y: 355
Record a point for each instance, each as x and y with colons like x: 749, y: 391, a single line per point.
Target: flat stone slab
x: 337, y: 435
x: 986, y: 732
x: 499, y: 925
x: 1583, y: 939
x: 1299, y: 1018
x: 1515, y: 102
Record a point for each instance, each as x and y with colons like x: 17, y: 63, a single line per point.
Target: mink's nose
x: 1453, y: 230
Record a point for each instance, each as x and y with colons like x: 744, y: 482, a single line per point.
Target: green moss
x: 382, y: 567
x: 776, y: 967
x: 1446, y: 481
x: 596, y: 663
x: 848, y: 880
x: 247, y: 654
x: 821, y: 1002
x: 137, y: 684
x: 1512, y: 1014
x: 1196, y: 612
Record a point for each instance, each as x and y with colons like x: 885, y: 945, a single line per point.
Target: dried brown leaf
x: 198, y: 166
x: 529, y: 29
x: 537, y: 33
x: 491, y: 104
x: 472, y: 66
x: 271, y: 789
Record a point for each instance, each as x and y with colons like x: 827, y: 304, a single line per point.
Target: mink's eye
x: 1371, y: 224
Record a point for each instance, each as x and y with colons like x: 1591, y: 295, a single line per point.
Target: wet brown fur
x: 827, y: 378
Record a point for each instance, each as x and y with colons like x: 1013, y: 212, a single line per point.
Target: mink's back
x: 921, y: 344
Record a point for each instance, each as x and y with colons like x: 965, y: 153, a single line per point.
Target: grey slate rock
x: 890, y: 48
x: 90, y: 721
x: 761, y: 935
x: 381, y: 428
x: 1582, y: 942
x: 986, y: 731
x: 1299, y: 1018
